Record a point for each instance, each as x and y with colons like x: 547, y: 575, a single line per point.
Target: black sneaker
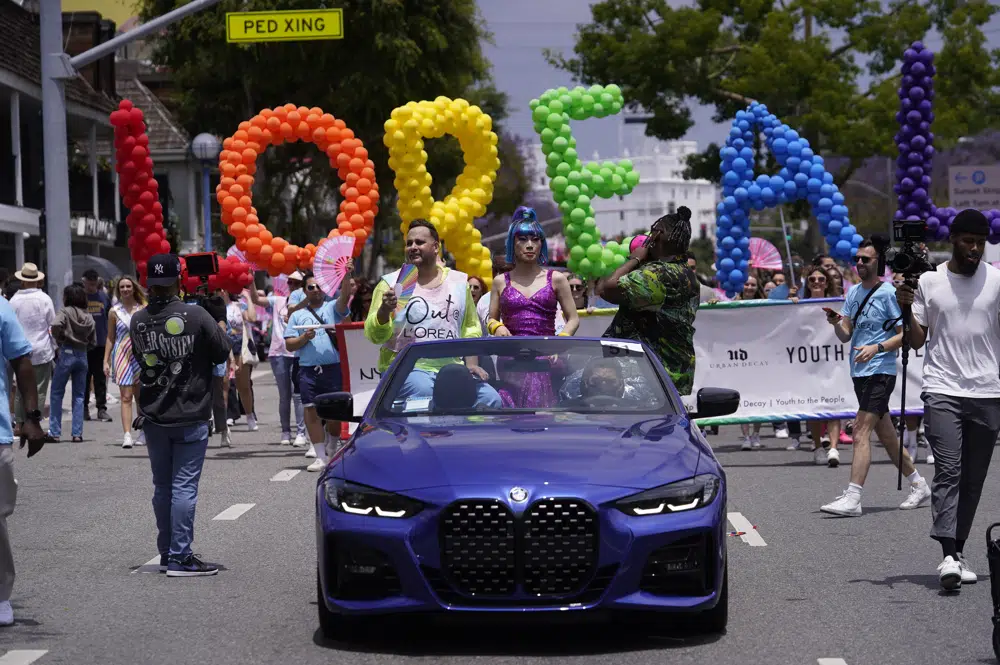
x: 102, y: 415
x: 86, y: 414
x: 190, y: 567
x: 164, y: 563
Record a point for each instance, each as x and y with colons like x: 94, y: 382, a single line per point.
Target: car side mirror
x: 336, y: 406
x: 715, y: 402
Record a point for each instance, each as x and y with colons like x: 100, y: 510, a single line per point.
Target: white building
x: 661, y: 189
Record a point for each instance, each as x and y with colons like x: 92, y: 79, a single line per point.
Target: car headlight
x: 354, y: 499
x: 673, y: 498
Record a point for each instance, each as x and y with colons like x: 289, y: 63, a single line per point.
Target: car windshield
x: 502, y: 375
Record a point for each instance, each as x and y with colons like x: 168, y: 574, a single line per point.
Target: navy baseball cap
x: 163, y: 270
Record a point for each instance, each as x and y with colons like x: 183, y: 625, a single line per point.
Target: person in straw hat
x: 36, y: 313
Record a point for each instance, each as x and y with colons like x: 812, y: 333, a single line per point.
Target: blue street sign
x: 979, y: 177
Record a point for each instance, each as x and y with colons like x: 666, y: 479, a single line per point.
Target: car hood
x: 414, y: 453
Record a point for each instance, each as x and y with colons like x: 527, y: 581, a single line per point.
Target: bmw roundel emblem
x: 519, y: 495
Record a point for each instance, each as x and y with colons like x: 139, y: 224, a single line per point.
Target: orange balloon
x: 252, y: 229
x: 228, y: 170
x: 239, y: 215
x: 357, y: 222
x: 350, y: 208
x: 351, y: 194
x: 343, y: 160
x: 236, y: 190
x: 227, y: 182
x: 249, y: 156
x: 266, y: 251
x: 245, y: 181
x: 302, y: 130
x: 245, y: 202
x: 253, y: 219
x: 280, y: 112
x: 253, y: 245
x: 237, y: 229
x: 291, y: 253
x: 230, y: 203
x: 265, y: 236
x: 274, y: 123
x: 241, y: 243
x: 364, y: 203
x: 361, y: 152
x: 278, y: 260
x: 279, y: 244
x: 287, y: 130
x: 227, y: 143
x: 259, y: 121
x: 344, y: 227
x: 363, y: 185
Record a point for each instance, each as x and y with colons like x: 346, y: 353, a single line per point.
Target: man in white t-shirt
x: 955, y: 311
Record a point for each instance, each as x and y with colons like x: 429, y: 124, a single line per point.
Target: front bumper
x: 670, y: 563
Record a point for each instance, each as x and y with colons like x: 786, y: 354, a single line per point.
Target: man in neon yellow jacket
x: 441, y: 307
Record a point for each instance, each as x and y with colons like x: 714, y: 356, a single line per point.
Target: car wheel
x: 716, y: 619
x: 334, y: 626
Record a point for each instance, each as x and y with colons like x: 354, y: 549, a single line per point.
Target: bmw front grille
x: 551, y: 551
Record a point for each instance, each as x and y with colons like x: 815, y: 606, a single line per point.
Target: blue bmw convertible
x: 523, y: 474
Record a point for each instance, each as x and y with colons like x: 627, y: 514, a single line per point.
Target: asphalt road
x: 804, y: 587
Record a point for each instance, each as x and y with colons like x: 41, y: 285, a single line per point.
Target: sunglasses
x: 312, y: 287
x: 817, y: 280
x: 576, y: 287
x: 864, y: 260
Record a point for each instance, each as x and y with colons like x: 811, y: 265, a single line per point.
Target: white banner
x: 783, y: 358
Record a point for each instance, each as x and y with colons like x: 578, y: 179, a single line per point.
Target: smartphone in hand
x: 832, y: 312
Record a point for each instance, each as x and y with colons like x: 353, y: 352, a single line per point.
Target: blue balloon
x: 801, y: 179
x: 730, y: 203
x: 824, y: 203
x: 738, y: 217
x: 816, y: 171
x: 837, y: 198
x: 844, y: 248
x: 736, y: 277
x: 736, y: 233
x: 736, y: 254
x: 726, y: 264
x: 827, y: 190
x: 739, y: 164
x: 731, y: 178
x: 832, y: 239
x: 792, y: 163
x: 743, y: 243
x: 729, y: 153
x: 857, y: 239
x: 743, y: 266
x: 805, y: 167
x: 791, y: 189
x: 768, y: 196
x: 758, y: 204
x: 740, y: 194
x: 779, y: 146
x: 728, y: 243
x: 735, y: 132
x: 791, y: 134
x: 838, y: 210
x: 833, y: 228
x: 747, y: 154
x: 846, y: 233
x: 763, y: 181
x: 827, y: 178
x: 753, y: 192
x: 823, y: 217
x: 807, y: 152
x: 777, y: 182
x: 794, y: 148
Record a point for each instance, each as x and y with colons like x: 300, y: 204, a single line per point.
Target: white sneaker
x: 755, y: 441
x: 824, y: 441
x: 6, y: 614
x: 127, y: 441
x: 227, y: 440
x: 286, y: 439
x: 311, y: 452
x: 745, y: 443
x: 781, y: 433
x: 845, y: 505
x: 141, y: 439
x: 229, y: 421
x: 317, y: 465
x: 819, y: 456
x: 300, y: 440
x: 930, y: 458
x: 252, y: 423
x: 794, y: 444
x: 833, y: 458
x: 920, y: 494
x: 950, y: 574
x: 968, y: 577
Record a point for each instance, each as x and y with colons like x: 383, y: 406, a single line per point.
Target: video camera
x: 909, y: 260
x: 203, y: 265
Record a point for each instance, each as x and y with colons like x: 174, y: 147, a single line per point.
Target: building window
x: 656, y: 211
x: 621, y: 215
x: 671, y: 208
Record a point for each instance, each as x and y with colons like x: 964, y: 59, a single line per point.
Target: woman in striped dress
x: 119, y: 363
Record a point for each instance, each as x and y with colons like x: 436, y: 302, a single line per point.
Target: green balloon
x: 551, y: 172
x: 616, y: 107
x: 533, y: 104
x: 548, y: 136
x: 559, y: 144
x: 597, y: 269
x: 562, y: 90
x: 583, y: 201
x: 606, y: 173
x: 599, y: 110
x: 613, y: 90
x: 613, y: 247
x: 586, y: 176
x: 554, y: 120
x: 590, y: 225
x: 598, y: 183
x: 626, y: 164
x: 577, y: 215
x: 576, y: 253
x: 570, y: 155
x: 540, y: 114
x: 565, y: 207
x: 594, y: 252
x: 583, y: 267
x: 558, y: 183
x: 572, y: 231
x: 632, y: 178
x: 566, y: 131
x: 587, y: 101
x: 619, y: 260
x: 585, y: 240
x: 556, y: 106
x: 563, y: 169
x: 574, y: 178
x: 566, y: 99
x: 596, y: 90
x: 607, y: 257
x: 616, y: 182
x: 574, y: 266
x: 572, y: 192
x: 554, y: 159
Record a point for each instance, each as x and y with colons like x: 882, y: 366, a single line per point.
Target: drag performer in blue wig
x: 524, y: 303
x: 525, y: 223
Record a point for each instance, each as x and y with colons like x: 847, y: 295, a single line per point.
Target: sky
x: 523, y: 28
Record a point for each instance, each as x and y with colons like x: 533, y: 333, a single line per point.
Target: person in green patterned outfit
x: 658, y: 297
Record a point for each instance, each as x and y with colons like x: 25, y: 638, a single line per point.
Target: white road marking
x: 23, y: 657
x: 151, y: 566
x: 284, y: 475
x: 832, y: 661
x: 233, y: 512
x: 750, y: 535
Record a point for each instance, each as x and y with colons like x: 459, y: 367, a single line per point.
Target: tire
x: 716, y: 619
x: 334, y: 626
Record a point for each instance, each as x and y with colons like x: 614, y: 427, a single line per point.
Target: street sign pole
x: 57, y: 66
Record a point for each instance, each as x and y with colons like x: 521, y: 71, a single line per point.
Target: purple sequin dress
x: 527, y: 316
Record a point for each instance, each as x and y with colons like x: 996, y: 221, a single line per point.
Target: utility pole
x: 57, y: 67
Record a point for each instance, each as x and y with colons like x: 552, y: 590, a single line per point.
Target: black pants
x: 218, y: 405
x: 95, y: 369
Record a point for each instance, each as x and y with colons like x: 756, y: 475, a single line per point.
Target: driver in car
x: 440, y: 307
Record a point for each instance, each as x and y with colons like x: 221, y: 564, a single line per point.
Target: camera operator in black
x: 955, y: 311
x: 176, y: 344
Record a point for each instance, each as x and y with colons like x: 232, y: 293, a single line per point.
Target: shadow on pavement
x: 520, y: 637
x: 927, y: 581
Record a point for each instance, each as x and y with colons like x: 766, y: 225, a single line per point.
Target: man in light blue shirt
x: 871, y: 321
x: 319, y: 359
x: 17, y: 351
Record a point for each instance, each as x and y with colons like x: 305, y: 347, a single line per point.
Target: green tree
x: 393, y: 51
x: 828, y: 68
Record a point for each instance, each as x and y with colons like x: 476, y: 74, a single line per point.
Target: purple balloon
x: 919, y: 195
x: 925, y: 181
x: 942, y: 233
x: 918, y: 69
x: 915, y: 158
x: 906, y: 185
x: 918, y: 142
x: 914, y: 172
x: 911, y: 208
x: 905, y: 102
x: 917, y: 94
x: 995, y: 226
x: 924, y: 106
x: 932, y: 224
x: 914, y: 118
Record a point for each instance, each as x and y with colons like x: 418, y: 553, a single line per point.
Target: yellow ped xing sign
x: 285, y: 26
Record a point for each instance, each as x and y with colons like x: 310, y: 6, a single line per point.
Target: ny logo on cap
x: 158, y: 268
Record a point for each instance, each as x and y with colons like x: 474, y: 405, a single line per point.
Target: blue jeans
x: 176, y: 455
x: 282, y: 368
x: 71, y: 365
x: 421, y: 384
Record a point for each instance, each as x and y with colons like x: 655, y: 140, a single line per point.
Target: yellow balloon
x: 405, y: 133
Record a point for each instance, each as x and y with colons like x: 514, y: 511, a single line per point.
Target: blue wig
x: 525, y: 223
